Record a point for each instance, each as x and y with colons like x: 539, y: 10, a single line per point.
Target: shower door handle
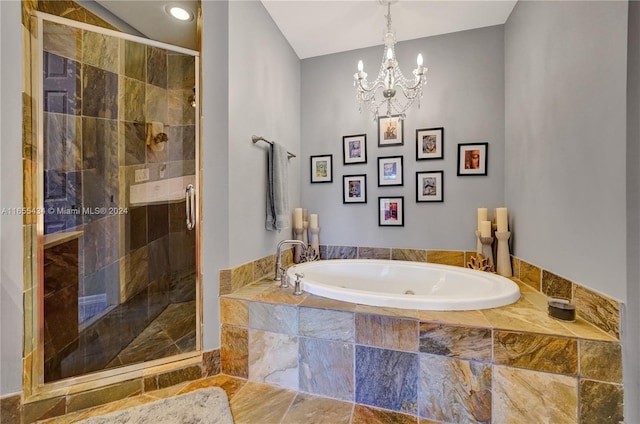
x: 189, y: 201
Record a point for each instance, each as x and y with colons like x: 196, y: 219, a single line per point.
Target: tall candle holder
x: 487, y: 250
x: 297, y: 249
x: 314, y: 239
x: 478, y: 243
x: 503, y: 257
x: 305, y: 236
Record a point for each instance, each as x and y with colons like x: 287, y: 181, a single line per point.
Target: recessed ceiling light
x: 179, y: 13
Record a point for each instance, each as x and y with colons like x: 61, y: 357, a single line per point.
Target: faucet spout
x: 278, y: 275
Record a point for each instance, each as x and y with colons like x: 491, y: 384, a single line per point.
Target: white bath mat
x: 204, y: 406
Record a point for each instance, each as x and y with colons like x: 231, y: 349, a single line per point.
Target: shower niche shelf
x: 168, y: 190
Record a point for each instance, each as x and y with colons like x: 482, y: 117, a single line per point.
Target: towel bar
x: 256, y: 138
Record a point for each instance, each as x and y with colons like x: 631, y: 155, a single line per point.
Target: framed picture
x: 354, y: 189
x: 322, y: 169
x: 354, y: 148
x: 390, y: 171
x: 390, y: 131
x: 472, y: 158
x: 430, y: 143
x: 391, y: 211
x: 429, y: 186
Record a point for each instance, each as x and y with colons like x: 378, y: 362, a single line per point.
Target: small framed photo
x: 390, y: 171
x: 429, y: 186
x: 430, y: 143
x: 391, y: 211
x: 322, y: 169
x: 390, y: 131
x: 354, y: 189
x: 354, y: 148
x: 472, y: 158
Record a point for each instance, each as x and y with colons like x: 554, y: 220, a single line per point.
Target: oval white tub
x: 403, y: 284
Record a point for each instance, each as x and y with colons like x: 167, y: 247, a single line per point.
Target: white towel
x: 277, y: 188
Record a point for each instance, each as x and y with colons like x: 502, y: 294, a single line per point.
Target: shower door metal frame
x: 35, y: 372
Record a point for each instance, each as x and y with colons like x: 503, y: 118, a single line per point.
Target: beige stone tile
x: 101, y: 410
x: 413, y: 255
x: 383, y: 310
x: 234, y: 311
x: 558, y: 355
x: 225, y: 281
x: 524, y: 316
x: 374, y: 253
x: 167, y: 392
x: 555, y: 286
x: 585, y: 330
x: 273, y: 402
x: 273, y: 359
x: 600, y: 402
x: 241, y: 276
x: 601, y: 361
x: 598, y: 309
x: 470, y: 318
x: 278, y: 295
x: 39, y: 410
x: 249, y: 292
x: 446, y: 257
x: 530, y: 274
x: 319, y: 302
x: 104, y: 395
x: 230, y: 384
x: 387, y: 332
x: 264, y: 267
x: 515, y: 266
x: 525, y: 397
x: 310, y: 409
x: 369, y: 415
x: 234, y: 351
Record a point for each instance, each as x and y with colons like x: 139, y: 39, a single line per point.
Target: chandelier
x: 390, y: 80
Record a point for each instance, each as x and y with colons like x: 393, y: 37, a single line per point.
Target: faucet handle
x: 299, y: 275
x: 284, y: 279
x: 297, y: 290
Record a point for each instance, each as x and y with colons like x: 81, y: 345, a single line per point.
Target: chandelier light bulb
x: 389, y: 54
x: 360, y: 66
x: 420, y: 61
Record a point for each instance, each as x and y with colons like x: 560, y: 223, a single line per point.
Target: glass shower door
x: 119, y: 147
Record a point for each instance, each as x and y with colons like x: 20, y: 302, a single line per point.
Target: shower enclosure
x: 117, y: 176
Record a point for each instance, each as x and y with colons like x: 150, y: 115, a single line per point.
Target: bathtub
x: 407, y: 285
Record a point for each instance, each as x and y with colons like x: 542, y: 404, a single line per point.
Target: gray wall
x: 464, y: 94
x: 566, y: 139
x: 566, y: 142
x: 11, y: 327
x: 264, y: 87
x: 632, y: 319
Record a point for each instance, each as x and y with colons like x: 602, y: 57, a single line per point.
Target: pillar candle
x: 297, y: 218
x: 313, y: 220
x: 485, y: 229
x: 305, y: 216
x: 482, y: 216
x: 501, y: 218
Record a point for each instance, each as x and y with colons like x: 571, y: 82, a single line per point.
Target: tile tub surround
x: 447, y: 367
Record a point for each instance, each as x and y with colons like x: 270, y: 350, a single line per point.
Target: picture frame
x: 472, y: 158
x: 391, y: 211
x: 430, y: 143
x: 390, y: 171
x: 322, y: 169
x: 354, y: 149
x: 354, y: 189
x: 390, y: 131
x: 429, y: 186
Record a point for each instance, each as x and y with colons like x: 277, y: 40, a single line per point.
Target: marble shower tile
x: 316, y: 410
x: 598, y: 309
x: 234, y: 351
x: 387, y: 379
x: 525, y: 396
x: 557, y: 355
x: 530, y: 274
x: 387, y: 332
x: 132, y: 96
x: 62, y: 84
x: 157, y: 66
x: 367, y: 415
x: 63, y: 40
x: 338, y: 252
x: 601, y: 361
x: 179, y: 109
x: 600, y: 402
x: 446, y: 257
x: 135, y: 60
x: 182, y: 146
x: 374, y: 253
x: 273, y: 359
x: 459, y: 342
x: 234, y: 311
x: 553, y: 285
x: 274, y: 403
x: 134, y: 273
x: 99, y: 93
x: 326, y: 324
x: 273, y: 317
x: 63, y: 142
x: 181, y: 71
x: 414, y: 255
x: 156, y: 107
x: 135, y: 146
x: 101, y: 51
x: 452, y: 390
x: 326, y: 368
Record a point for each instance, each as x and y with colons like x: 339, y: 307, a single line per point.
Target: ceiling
x: 319, y: 27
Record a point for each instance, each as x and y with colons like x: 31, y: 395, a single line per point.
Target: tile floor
x: 256, y: 403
